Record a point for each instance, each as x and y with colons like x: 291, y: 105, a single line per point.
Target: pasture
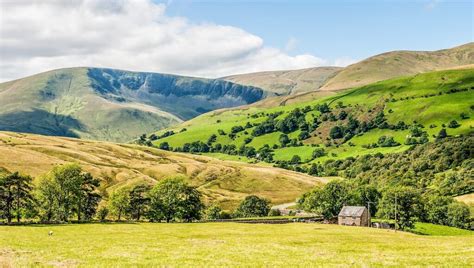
x: 229, y: 244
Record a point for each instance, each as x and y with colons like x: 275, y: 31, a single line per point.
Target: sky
x: 212, y: 38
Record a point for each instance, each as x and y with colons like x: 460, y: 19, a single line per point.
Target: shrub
x: 454, y: 124
x: 213, y: 212
x: 458, y: 215
x: 336, y: 132
x: 253, y: 206
x: 318, y: 152
x: 274, y: 213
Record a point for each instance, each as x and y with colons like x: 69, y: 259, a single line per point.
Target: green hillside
x: 114, y: 105
x: 400, y: 63
x: 387, y: 116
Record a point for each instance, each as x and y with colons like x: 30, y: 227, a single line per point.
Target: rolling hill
x: 399, y: 63
x: 115, y: 105
x: 287, y: 82
x: 391, y: 108
x: 118, y: 165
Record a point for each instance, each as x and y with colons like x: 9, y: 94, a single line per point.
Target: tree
x: 303, y: 135
x: 173, y: 199
x: 402, y: 203
x: 458, y: 215
x: 118, y: 202
x: 88, y: 197
x: 442, y: 134
x: 253, y: 206
x: 296, y: 159
x: 284, y: 140
x: 47, y: 198
x: 164, y: 146
x: 453, y: 124
x: 213, y: 212
x: 318, y: 152
x: 102, y: 213
x: 15, y: 192
x: 336, y: 132
x: 138, y: 201
x: 327, y: 200
x: 436, y: 208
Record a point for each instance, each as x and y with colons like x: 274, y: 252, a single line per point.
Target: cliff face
x: 114, y: 105
x: 193, y: 95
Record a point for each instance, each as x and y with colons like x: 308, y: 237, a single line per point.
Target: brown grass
x: 226, y: 182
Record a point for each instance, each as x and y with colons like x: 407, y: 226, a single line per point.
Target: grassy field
x: 228, y: 244
x: 226, y: 182
x: 424, y: 98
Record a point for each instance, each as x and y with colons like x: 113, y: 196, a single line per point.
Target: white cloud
x: 344, y: 61
x: 134, y: 35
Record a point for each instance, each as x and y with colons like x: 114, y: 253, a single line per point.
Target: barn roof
x: 351, y: 211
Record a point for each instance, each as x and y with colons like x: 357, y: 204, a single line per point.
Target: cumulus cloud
x: 36, y: 36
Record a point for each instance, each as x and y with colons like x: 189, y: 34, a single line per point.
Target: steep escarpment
x: 114, y: 105
x: 185, y: 97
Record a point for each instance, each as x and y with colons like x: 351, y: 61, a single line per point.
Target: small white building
x: 354, y: 216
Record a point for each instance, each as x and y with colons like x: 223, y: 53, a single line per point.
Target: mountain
x: 117, y: 165
x: 382, y: 117
x: 315, y: 83
x: 287, y: 82
x: 115, y: 105
x: 399, y: 63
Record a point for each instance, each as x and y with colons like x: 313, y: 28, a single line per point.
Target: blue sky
x: 210, y: 38
x: 338, y: 29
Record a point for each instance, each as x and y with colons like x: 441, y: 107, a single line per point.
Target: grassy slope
x: 227, y: 244
x: 287, y: 82
x: 400, y: 63
x: 112, y: 105
x: 436, y: 110
x: 73, y: 109
x: 225, y: 182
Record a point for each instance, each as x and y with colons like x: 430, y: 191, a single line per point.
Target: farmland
x: 229, y: 244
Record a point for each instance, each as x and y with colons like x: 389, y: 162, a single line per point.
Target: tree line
x: 404, y: 204
x: 67, y: 193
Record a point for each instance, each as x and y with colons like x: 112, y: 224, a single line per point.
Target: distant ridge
x: 114, y: 105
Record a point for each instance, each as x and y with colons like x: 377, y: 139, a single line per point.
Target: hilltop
x: 114, y: 105
x: 119, y: 165
x: 288, y: 82
x: 399, y: 63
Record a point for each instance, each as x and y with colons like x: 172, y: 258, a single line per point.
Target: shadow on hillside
x: 40, y: 122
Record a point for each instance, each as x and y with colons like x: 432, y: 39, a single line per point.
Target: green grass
x: 432, y: 110
x: 227, y: 244
x: 439, y: 230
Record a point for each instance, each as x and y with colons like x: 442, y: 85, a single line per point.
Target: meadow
x: 229, y: 244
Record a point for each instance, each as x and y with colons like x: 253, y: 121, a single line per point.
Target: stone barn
x: 354, y: 216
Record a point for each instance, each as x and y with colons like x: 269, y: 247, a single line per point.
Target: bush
x: 213, y: 212
x: 164, y: 146
x: 274, y: 213
x: 102, y: 213
x: 318, y: 152
x: 458, y: 215
x: 336, y: 132
x: 454, y: 124
x: 296, y: 159
x: 253, y: 206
